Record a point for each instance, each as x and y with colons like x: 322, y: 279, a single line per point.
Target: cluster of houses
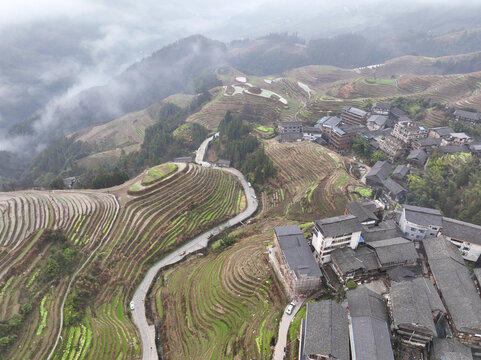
x: 388, y: 129
x: 432, y: 300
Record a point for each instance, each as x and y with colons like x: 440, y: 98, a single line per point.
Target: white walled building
x: 336, y: 232
x: 466, y: 237
x: 417, y: 223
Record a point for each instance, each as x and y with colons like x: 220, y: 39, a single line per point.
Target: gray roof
x: 379, y: 120
x: 395, y: 251
x: 293, y: 136
x: 384, y: 230
x: 380, y: 170
x: 452, y: 149
x: 311, y: 129
x: 183, y: 159
x: 413, y: 303
x: 381, y: 105
x: 400, y: 171
x: 423, y: 216
x: 327, y: 331
x: 354, y: 110
x: 455, y: 283
x: 297, y: 252
x: 429, y: 141
x: 401, y: 273
x: 461, y: 230
x: 442, y: 131
x: 338, y: 225
x: 223, y: 162
x: 329, y: 121
x: 368, y: 257
x: 450, y: 349
x: 468, y: 115
x: 393, y: 187
x: 418, y: 155
x: 351, y: 260
x: 370, y: 332
x: 364, y: 211
x: 364, y: 302
x: 397, y: 112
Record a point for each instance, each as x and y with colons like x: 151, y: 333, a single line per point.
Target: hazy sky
x: 53, y: 49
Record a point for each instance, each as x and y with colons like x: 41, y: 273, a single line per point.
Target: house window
x: 413, y: 229
x: 406, y: 233
x: 421, y: 231
x: 418, y: 236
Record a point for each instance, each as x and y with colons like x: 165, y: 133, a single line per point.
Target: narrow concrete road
x: 147, y: 332
x: 284, y: 331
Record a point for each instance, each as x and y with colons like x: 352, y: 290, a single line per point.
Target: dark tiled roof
x: 397, y: 112
x: 453, y: 280
x: 370, y: 332
x: 338, y: 225
x: 461, y: 230
x: 426, y: 142
x: 384, y: 230
x: 397, y: 250
x: 364, y: 211
x: 223, y: 162
x: 381, y: 105
x: 368, y: 257
x: 354, y: 110
x: 423, y: 216
x: 418, y: 155
x: 290, y: 123
x: 379, y: 120
x: 450, y: 349
x: 297, y: 252
x: 442, y: 131
x: 327, y: 331
x: 453, y: 149
x: 401, y: 273
x: 477, y: 274
x: 393, y: 187
x: 311, y: 129
x: 380, y: 170
x: 346, y: 259
x: 468, y: 115
x: 401, y: 171
x: 183, y: 159
x: 413, y: 303
x: 289, y: 136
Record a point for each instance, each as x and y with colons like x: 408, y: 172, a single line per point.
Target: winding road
x: 147, y: 332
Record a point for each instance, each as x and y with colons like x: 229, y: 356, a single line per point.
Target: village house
x: 417, y: 223
x: 368, y: 326
x: 378, y: 122
x: 335, y: 232
x: 397, y: 114
x: 440, y: 132
x: 311, y: 133
x: 456, y: 139
x: 183, y: 159
x: 391, y: 146
x: 341, y: 137
x: 223, y: 163
x: 415, y: 307
x: 353, y: 116
x: 349, y: 264
x: 400, y: 172
x: 294, y: 262
x: 467, y: 116
x: 428, y: 144
x: 326, y: 124
x: 466, y: 237
x: 367, y: 212
x: 456, y: 289
x: 290, y: 127
x: 324, y: 332
x: 384, y: 230
x: 417, y: 158
x: 380, y: 108
x: 395, y: 252
x: 407, y: 131
x: 289, y: 137
x: 394, y: 190
x: 476, y: 149
x: 378, y: 173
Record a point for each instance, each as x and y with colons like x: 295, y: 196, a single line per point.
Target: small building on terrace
x: 366, y: 211
x: 290, y: 127
x: 378, y: 173
x: 349, y: 264
x: 417, y: 223
x: 395, y: 252
x: 297, y: 268
x: 466, y: 237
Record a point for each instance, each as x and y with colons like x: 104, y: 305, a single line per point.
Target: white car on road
x: 132, y: 307
x: 291, y: 307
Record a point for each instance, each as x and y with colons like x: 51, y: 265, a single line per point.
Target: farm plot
x: 149, y: 225
x: 32, y: 286
x: 313, y: 177
x: 223, y: 306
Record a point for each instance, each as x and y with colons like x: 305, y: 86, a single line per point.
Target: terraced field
x: 223, y: 306
x: 84, y: 217
x: 313, y: 178
x: 149, y: 225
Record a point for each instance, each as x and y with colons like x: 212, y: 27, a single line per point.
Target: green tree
x: 378, y: 156
x: 57, y: 184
